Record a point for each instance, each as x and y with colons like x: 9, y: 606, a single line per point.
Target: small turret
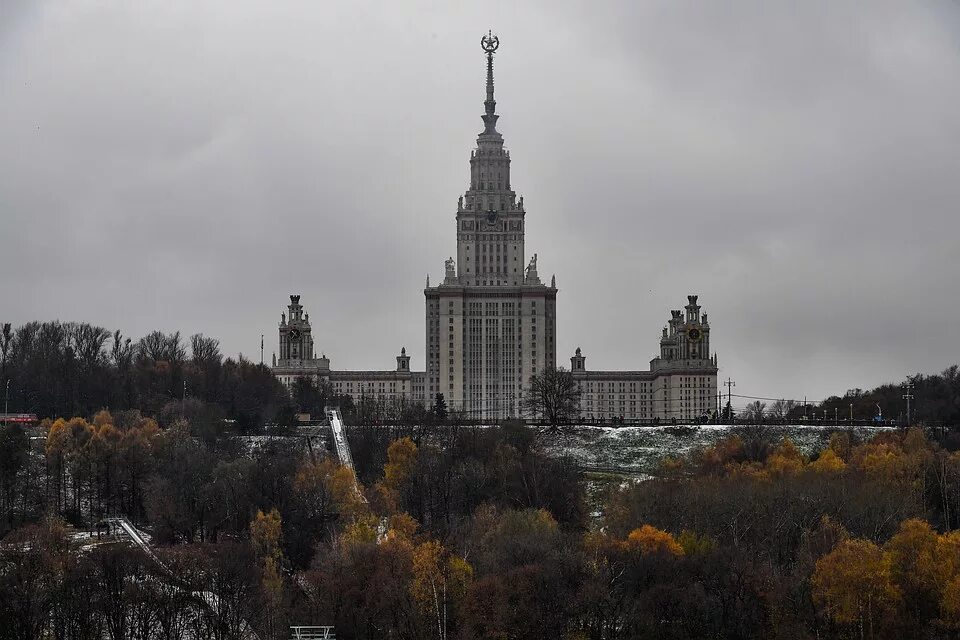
x: 578, y: 362
x: 403, y: 360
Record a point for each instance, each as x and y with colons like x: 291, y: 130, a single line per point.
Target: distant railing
x: 312, y: 633
x: 18, y: 418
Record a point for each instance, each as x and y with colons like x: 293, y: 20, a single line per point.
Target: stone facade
x: 297, y: 360
x: 491, y: 322
x: 681, y: 383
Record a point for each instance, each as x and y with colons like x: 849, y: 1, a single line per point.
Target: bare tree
x: 88, y: 343
x: 5, y: 337
x: 204, y: 350
x: 553, y: 395
x: 122, y: 352
x: 781, y: 409
x: 755, y: 411
x: 159, y: 346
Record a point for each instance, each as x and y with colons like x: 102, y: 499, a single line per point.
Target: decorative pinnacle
x: 490, y: 43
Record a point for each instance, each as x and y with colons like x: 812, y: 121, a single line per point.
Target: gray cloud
x: 187, y: 165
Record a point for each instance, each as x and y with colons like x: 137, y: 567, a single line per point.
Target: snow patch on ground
x: 638, y: 450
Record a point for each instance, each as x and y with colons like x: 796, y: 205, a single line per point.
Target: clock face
x: 294, y: 334
x: 491, y: 217
x: 694, y: 334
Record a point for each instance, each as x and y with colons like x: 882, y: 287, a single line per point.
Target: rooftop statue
x: 451, y: 268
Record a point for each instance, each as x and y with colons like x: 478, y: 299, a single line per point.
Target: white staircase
x: 340, y: 438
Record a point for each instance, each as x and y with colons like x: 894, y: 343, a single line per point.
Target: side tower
x: 491, y: 322
x: 296, y: 347
x: 685, y: 383
x: 296, y: 341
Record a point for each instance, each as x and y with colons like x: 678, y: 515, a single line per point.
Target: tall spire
x: 490, y: 43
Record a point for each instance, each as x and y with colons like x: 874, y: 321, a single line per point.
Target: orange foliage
x: 716, y: 458
x: 649, y: 540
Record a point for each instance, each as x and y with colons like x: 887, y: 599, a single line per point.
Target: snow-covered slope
x: 638, y: 450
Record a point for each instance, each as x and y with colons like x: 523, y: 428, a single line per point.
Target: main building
x: 491, y: 322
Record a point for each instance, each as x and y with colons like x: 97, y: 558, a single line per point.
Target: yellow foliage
x: 915, y: 441
x: 854, y: 583
x: 102, y: 418
x: 948, y: 551
x: 272, y: 580
x: 363, y: 530
x: 401, y: 457
x: 57, y: 437
x: 950, y: 604
x: 265, y: 530
x: 840, y: 445
x: 915, y: 564
x: 829, y: 463
x: 648, y: 539
x: 402, y: 524
x: 337, y: 481
x: 427, y: 559
x: 345, y: 490
x: 880, y: 461
x: 310, y: 476
x: 437, y: 576
x: 786, y: 459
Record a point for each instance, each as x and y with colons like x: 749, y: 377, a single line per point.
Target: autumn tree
x: 853, y: 585
x: 921, y: 565
x: 439, y: 584
x: 265, y: 531
x: 649, y: 540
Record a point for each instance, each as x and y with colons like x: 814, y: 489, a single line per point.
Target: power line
x: 908, y: 396
x: 776, y: 399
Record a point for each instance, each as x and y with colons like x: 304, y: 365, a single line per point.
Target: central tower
x: 491, y: 323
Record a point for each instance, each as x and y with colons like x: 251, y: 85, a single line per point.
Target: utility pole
x: 908, y: 396
x: 730, y: 383
x: 851, y: 412
x: 261, y: 349
x: 6, y: 403
x: 836, y: 419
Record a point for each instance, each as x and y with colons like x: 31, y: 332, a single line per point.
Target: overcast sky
x: 187, y: 165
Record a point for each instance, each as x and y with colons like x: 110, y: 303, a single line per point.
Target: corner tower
x: 491, y: 323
